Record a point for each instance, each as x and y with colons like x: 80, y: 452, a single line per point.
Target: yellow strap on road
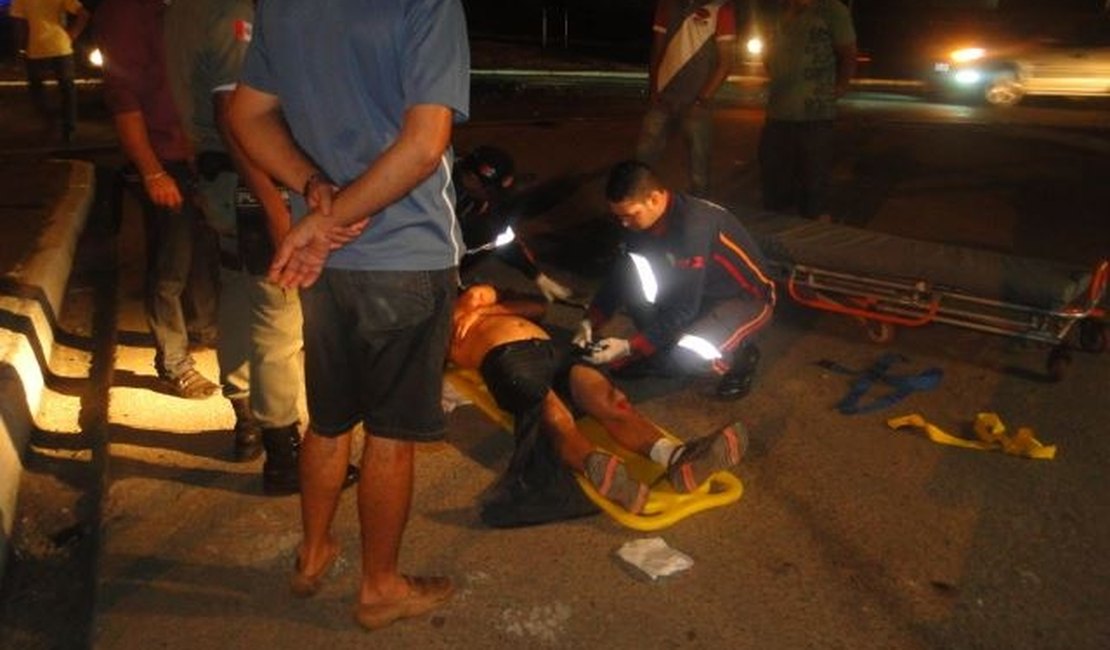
x: 991, y: 434
x: 664, y: 506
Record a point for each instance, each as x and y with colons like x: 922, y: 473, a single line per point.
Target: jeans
x: 696, y: 123
x: 64, y: 71
x: 174, y: 257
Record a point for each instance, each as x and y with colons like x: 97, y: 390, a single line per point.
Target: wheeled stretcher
x: 887, y: 281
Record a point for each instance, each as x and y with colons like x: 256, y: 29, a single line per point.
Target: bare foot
x: 311, y: 568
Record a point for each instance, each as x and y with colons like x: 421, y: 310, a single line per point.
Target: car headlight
x: 968, y: 77
x: 966, y: 54
x: 754, y: 46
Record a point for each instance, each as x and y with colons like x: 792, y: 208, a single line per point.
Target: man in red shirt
x: 129, y: 33
x: 690, y: 57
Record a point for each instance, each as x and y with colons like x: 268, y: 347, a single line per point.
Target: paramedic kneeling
x: 691, y: 279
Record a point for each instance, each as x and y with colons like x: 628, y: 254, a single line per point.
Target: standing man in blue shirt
x: 352, y: 103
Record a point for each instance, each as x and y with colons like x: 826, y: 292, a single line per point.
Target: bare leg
x: 558, y: 422
x: 605, y: 471
x: 384, y: 498
x: 599, y: 398
x: 323, y: 466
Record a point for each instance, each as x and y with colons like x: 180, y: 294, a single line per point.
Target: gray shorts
x: 375, y: 346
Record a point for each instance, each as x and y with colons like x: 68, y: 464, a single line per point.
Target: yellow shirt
x: 46, y: 27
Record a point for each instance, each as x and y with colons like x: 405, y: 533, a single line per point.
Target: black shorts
x: 519, y: 374
x: 375, y: 347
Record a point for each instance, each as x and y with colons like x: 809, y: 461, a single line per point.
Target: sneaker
x: 695, y: 461
x: 610, y: 478
x: 191, y: 385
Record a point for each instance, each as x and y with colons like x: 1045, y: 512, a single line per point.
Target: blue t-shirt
x: 345, y: 71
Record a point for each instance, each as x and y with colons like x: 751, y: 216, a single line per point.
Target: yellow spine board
x: 664, y: 507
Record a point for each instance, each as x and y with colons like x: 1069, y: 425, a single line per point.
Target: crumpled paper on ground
x: 654, y: 557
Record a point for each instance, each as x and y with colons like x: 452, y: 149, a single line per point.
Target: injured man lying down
x: 540, y: 384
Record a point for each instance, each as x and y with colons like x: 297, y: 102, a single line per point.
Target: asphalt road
x: 848, y: 534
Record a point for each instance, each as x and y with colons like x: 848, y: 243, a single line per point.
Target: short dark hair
x: 631, y: 179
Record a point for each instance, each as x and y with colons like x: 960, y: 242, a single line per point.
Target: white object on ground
x: 654, y: 557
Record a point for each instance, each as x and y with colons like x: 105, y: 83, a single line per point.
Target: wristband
x: 149, y: 178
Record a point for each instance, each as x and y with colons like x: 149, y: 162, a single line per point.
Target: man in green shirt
x: 811, y: 57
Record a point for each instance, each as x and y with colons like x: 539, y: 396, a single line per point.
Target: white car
x: 1078, y: 67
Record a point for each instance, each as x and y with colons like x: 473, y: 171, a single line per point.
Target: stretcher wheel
x: 879, y: 331
x: 1059, y: 359
x: 1092, y: 336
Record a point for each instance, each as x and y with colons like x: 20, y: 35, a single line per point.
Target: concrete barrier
x: 31, y: 296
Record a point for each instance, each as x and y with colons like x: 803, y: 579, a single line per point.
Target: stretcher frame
x: 883, y: 303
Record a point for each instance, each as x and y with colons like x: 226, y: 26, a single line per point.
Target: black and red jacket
x: 699, y: 254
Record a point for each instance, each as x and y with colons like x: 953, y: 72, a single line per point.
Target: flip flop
x: 304, y: 585
x: 425, y: 594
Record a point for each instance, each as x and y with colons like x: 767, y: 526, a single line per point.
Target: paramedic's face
x: 640, y: 214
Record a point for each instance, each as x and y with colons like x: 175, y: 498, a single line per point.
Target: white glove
x: 585, y: 334
x: 551, y: 289
x: 609, y: 350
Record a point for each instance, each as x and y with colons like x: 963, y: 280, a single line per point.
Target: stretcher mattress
x: 788, y: 241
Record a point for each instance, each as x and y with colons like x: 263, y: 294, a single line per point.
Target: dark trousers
x: 63, y: 70
x: 795, y: 160
x: 182, y: 272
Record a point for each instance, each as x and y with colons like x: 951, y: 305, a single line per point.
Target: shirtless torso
x: 481, y: 324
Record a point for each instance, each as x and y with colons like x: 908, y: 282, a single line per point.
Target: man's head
x: 635, y: 194
x: 487, y: 171
x: 475, y: 296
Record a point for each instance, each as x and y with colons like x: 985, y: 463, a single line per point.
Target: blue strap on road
x: 879, y: 372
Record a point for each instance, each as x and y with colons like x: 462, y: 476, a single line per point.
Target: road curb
x: 30, y: 298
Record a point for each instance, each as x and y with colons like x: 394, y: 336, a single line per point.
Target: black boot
x: 279, y: 472
x: 737, y: 382
x: 248, y: 435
